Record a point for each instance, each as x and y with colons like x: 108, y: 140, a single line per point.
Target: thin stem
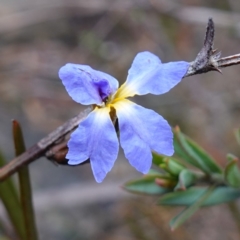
x: 39, y: 149
x: 229, y: 61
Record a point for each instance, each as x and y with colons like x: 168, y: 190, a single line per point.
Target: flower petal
x: 95, y: 138
x: 148, y: 75
x: 86, y: 85
x: 142, y: 130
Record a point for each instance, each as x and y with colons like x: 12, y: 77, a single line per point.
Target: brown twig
x: 229, y: 61
x: 39, y: 149
x: 207, y: 60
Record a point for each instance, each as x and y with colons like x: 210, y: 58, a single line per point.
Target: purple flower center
x: 103, y: 88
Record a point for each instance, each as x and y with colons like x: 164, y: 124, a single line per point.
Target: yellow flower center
x: 122, y: 93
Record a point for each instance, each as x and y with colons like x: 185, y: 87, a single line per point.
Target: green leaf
x: 189, y: 211
x: 173, y: 166
x: 157, y: 158
x: 169, y: 164
x: 195, y: 154
x: 25, y: 185
x: 186, y: 179
x: 232, y: 174
x: 146, y: 185
x: 220, y: 195
x: 154, y: 172
x: 179, y: 152
x: 9, y: 197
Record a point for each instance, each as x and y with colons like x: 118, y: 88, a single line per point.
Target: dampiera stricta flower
x: 141, y: 130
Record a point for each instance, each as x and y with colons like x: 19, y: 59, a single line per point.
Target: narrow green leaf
x: 154, y: 172
x: 179, y: 152
x: 146, y: 185
x: 25, y: 186
x: 196, y: 155
x: 189, y: 211
x: 232, y: 174
x: 169, y: 164
x: 157, y: 158
x: 186, y: 179
x: 173, y: 166
x: 9, y: 197
x: 219, y: 195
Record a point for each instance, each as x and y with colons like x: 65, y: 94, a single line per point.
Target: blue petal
x: 86, y: 85
x: 148, y: 75
x: 142, y: 130
x: 95, y: 138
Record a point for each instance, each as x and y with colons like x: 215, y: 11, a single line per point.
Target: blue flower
x: 141, y: 130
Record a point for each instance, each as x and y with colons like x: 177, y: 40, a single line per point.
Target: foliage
x: 192, y: 178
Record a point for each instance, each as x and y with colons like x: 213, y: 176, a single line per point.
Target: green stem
x: 25, y: 186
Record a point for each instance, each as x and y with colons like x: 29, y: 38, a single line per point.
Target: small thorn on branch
x: 207, y: 58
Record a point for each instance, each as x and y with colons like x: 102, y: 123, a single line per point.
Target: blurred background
x: 38, y: 37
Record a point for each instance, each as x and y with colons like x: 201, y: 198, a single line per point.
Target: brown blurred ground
x: 38, y: 37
